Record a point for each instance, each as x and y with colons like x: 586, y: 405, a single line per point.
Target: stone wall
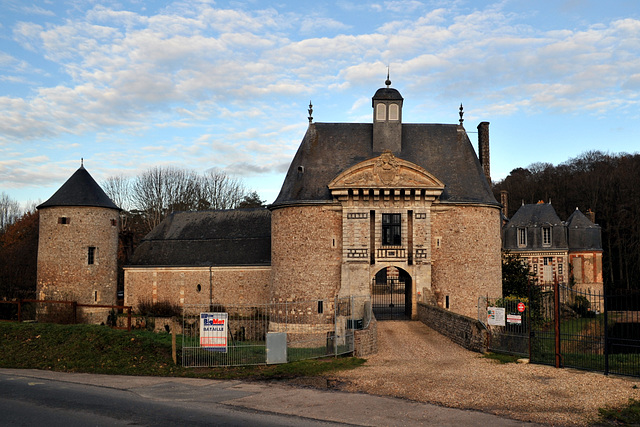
x: 197, y: 285
x: 465, y: 331
x: 65, y: 235
x: 365, y: 341
x: 306, y: 252
x: 466, y: 248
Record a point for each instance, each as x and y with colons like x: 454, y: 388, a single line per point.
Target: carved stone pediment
x: 386, y: 171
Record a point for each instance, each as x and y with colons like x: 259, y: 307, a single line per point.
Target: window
x: 91, y: 255
x: 546, y: 236
x: 391, y: 229
x: 522, y: 237
x: 64, y: 220
x: 381, y: 112
x: 393, y: 112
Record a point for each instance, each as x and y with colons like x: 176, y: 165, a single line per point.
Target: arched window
x: 381, y: 112
x: 393, y: 112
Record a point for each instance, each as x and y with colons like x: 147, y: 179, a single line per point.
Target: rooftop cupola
x: 387, y: 119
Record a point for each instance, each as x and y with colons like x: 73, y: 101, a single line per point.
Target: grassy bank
x: 101, y: 350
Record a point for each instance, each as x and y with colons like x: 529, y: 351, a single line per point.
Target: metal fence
x: 565, y: 327
x: 235, y: 334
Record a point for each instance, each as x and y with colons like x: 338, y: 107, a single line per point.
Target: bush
x: 158, y: 309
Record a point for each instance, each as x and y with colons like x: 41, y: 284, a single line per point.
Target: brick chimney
x: 483, y: 149
x: 504, y: 201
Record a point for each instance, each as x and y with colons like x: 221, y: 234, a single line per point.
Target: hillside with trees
x: 608, y: 185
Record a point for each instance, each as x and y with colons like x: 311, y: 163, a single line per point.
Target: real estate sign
x: 213, y: 331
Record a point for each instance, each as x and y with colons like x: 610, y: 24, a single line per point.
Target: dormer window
x: 522, y: 237
x: 394, y: 112
x: 381, y: 112
x: 546, y: 236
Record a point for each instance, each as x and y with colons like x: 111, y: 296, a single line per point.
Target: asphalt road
x: 31, y: 397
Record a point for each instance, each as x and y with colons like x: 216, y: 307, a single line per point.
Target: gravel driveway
x: 417, y: 363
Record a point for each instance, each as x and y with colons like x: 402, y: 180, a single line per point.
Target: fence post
x: 335, y: 327
x: 529, y: 325
x: 556, y: 315
x: 20, y: 310
x: 129, y: 319
x: 74, y: 309
x: 606, y: 335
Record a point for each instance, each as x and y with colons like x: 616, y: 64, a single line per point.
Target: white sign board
x: 496, y: 316
x: 514, y: 319
x: 213, y: 331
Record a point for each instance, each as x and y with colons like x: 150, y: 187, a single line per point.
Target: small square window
x: 64, y: 220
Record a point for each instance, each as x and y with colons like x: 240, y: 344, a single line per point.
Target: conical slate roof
x: 80, y: 190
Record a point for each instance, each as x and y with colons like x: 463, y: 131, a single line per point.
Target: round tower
x: 78, y: 247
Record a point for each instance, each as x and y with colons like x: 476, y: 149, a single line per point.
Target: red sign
x: 520, y: 307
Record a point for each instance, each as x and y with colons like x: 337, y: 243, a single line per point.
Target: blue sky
x: 128, y: 85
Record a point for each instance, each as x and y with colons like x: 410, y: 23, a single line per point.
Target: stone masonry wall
x: 196, y: 285
x: 63, y: 246
x: 365, y: 341
x: 306, y: 252
x: 465, y: 331
x: 466, y: 248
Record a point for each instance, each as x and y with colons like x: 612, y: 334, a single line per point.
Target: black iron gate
x: 566, y: 327
x: 390, y: 299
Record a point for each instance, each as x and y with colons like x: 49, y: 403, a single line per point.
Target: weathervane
x: 310, y: 112
x: 461, y: 114
x: 387, y: 82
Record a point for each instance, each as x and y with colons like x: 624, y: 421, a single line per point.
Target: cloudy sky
x: 128, y: 85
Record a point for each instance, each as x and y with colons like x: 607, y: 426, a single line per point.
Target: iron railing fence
x: 240, y: 334
x: 566, y: 327
x: 508, y: 324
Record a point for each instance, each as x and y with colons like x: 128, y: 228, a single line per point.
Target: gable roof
x: 80, y: 190
x: 327, y: 149
x: 208, y: 238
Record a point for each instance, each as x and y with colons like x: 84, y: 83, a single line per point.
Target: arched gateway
x: 391, y: 290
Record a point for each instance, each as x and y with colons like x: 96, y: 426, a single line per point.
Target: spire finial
x: 310, y: 112
x: 81, y: 162
x: 461, y: 114
x: 387, y: 82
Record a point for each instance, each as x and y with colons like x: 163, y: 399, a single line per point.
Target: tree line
x: 608, y: 185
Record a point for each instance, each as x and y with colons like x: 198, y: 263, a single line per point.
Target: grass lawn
x: 101, y: 350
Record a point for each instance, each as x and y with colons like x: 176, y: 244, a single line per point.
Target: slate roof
x: 208, y: 238
x: 533, y: 217
x: 583, y: 234
x: 330, y: 148
x: 535, y: 214
x: 387, y: 94
x: 80, y: 190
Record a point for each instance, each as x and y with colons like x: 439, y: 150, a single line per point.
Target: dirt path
x: 417, y: 363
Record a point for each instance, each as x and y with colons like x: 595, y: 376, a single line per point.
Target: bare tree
x: 9, y: 211
x: 220, y: 191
